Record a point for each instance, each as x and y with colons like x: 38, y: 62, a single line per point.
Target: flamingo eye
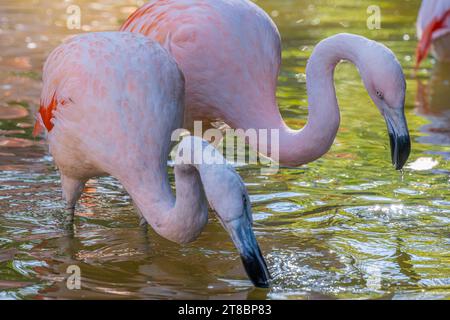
x: 380, y: 95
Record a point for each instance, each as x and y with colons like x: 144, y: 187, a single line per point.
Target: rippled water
x: 346, y: 226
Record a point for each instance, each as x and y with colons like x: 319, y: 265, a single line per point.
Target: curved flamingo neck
x: 315, y: 139
x: 324, y: 116
x: 179, y: 218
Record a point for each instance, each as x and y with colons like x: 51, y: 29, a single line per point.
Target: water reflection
x: 433, y: 103
x: 13, y: 112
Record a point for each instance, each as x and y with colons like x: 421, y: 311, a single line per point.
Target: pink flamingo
x: 230, y: 54
x: 433, y: 30
x: 110, y: 103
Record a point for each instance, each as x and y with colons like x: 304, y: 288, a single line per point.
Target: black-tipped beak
x: 256, y: 268
x: 399, y: 137
x: 400, y: 149
x: 244, y: 239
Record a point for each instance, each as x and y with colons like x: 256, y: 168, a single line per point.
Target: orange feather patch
x: 136, y: 15
x: 46, y: 113
x: 425, y: 42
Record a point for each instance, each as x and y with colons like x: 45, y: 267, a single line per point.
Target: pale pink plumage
x: 123, y: 98
x: 230, y: 54
x: 433, y: 30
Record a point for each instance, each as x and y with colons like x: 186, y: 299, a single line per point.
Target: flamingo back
x: 104, y: 93
x: 228, y: 50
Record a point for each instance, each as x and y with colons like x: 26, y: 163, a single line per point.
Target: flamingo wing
x: 55, y: 69
x: 158, y: 18
x: 433, y: 17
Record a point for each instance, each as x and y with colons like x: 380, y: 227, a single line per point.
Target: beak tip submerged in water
x: 251, y: 254
x: 252, y: 258
x: 400, y: 150
x: 256, y: 269
x: 399, y: 136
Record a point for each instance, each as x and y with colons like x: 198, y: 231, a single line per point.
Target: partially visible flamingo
x: 110, y: 103
x: 432, y: 102
x: 433, y: 30
x: 230, y: 54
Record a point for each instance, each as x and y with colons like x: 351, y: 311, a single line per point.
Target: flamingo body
x: 110, y: 103
x: 85, y: 94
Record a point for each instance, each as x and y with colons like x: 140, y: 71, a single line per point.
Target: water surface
x: 346, y: 226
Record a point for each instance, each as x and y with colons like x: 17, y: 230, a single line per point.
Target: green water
x: 346, y: 226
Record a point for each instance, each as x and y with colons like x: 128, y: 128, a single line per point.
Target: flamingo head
x: 385, y: 82
x: 228, y: 196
